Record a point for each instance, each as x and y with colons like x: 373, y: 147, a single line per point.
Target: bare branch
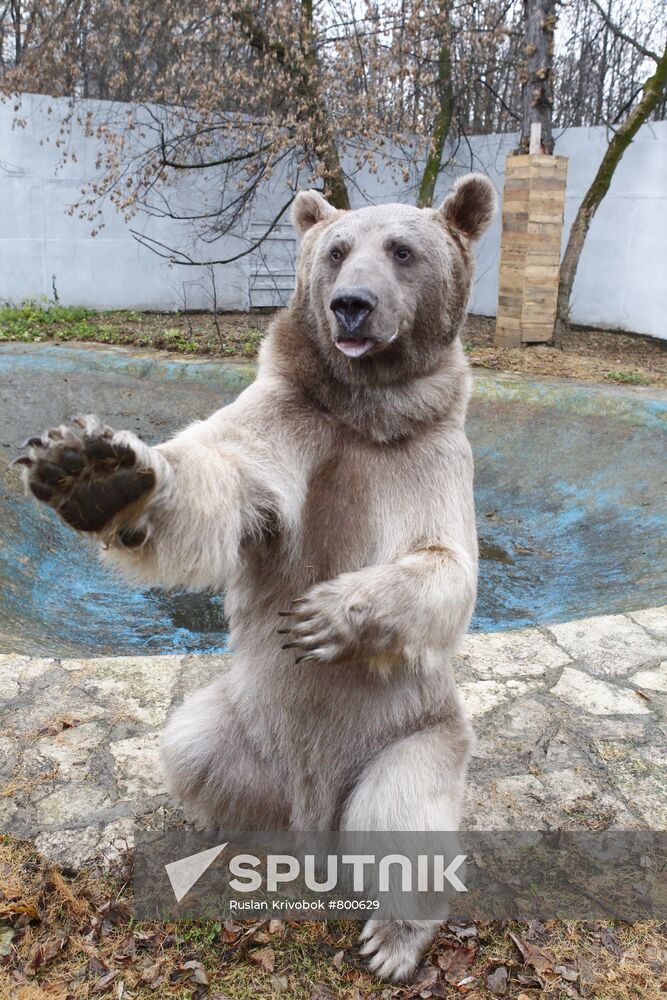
x: 618, y: 31
x: 180, y: 257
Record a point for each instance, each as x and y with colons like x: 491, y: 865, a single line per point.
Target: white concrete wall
x: 40, y: 241
x: 620, y: 283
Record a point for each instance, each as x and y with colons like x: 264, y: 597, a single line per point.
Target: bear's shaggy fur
x: 333, y: 501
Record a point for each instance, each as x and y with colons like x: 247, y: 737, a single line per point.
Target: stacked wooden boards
x: 533, y: 204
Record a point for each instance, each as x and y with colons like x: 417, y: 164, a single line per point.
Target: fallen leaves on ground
x: 496, y: 981
x: 455, y: 961
x: 540, y: 960
x: 72, y: 936
x: 266, y: 957
x: 43, y: 952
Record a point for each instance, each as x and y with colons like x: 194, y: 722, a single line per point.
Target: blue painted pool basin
x: 570, y: 494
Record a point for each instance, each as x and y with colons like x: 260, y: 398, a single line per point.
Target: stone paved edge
x: 571, y: 724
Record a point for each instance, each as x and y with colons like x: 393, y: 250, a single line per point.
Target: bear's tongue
x: 354, y: 348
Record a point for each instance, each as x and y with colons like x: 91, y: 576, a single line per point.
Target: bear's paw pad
x: 85, y: 472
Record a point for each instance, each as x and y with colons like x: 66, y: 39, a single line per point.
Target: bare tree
x: 232, y: 91
x: 600, y: 67
x: 210, y: 102
x: 653, y: 93
x: 235, y: 93
x: 537, y: 72
x: 444, y: 108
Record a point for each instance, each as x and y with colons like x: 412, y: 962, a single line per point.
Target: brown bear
x: 333, y: 501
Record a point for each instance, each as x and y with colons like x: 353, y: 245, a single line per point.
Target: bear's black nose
x: 351, y: 306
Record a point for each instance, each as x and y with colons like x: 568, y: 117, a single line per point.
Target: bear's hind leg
x: 211, y: 766
x: 416, y: 783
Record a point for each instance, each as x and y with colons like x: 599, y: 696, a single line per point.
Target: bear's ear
x: 308, y: 208
x: 470, y: 205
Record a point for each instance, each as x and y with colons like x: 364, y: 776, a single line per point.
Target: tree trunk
x: 441, y: 128
x: 17, y: 17
x: 653, y: 91
x: 302, y: 67
x: 537, y: 72
x: 333, y: 177
x: 324, y: 139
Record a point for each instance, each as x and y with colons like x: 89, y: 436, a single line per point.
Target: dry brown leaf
x: 496, y: 981
x: 125, y: 951
x: 424, y: 980
x: 322, y: 993
x: 97, y: 965
x: 463, y: 932
x: 438, y: 990
x: 266, y: 957
x: 229, y: 936
x: 152, y: 975
x: 229, y: 925
x: 276, y: 926
x: 455, y: 960
x: 43, y: 953
x: 17, y: 908
x: 532, y: 982
x: 197, y: 972
x: 261, y: 937
x: 337, y: 960
x: 609, y: 939
x: 105, y: 981
x: 540, y: 960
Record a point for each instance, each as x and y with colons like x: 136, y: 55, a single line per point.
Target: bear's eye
x: 402, y: 253
x: 336, y: 254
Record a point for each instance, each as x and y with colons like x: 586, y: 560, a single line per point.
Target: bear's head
x: 384, y: 289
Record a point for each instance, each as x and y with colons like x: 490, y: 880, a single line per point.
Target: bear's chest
x: 360, y: 505
x: 352, y: 510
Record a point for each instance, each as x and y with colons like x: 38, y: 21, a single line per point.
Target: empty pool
x: 570, y: 492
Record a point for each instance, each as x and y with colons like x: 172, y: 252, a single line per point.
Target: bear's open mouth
x: 354, y: 348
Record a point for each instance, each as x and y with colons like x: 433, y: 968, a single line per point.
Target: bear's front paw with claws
x: 335, y: 621
x: 86, y: 472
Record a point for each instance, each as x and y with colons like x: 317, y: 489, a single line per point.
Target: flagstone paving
x: 571, y: 721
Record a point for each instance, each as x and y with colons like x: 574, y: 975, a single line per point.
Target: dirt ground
x: 592, y: 355
x: 65, y: 937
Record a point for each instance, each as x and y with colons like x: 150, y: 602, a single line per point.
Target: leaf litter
x: 68, y: 936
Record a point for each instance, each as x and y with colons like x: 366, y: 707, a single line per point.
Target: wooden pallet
x: 533, y: 204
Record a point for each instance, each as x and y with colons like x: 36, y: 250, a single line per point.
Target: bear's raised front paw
x: 85, y: 471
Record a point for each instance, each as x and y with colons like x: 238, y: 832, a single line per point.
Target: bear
x: 333, y: 501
